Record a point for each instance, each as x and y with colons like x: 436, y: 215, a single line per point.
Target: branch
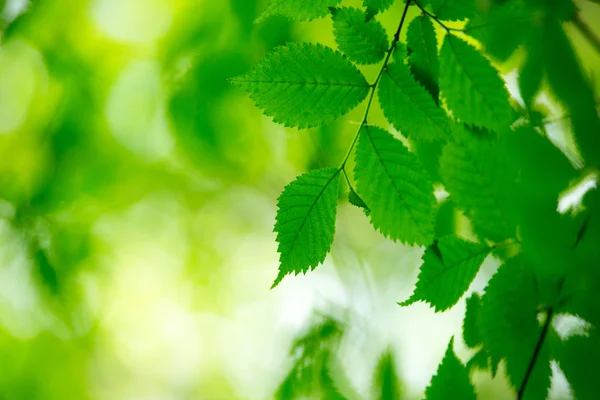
x: 536, y: 353
x: 374, y: 85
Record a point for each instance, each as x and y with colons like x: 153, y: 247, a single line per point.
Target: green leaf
x: 423, y: 60
x: 579, y: 359
x: 479, y: 360
x: 364, y: 42
x: 304, y: 85
x: 472, y: 87
x: 471, y: 334
x: 396, y: 187
x: 500, y: 38
x: 453, y: 10
x: 376, y: 6
x: 409, y: 107
x: 451, y: 380
x: 355, y: 200
x: 387, y: 383
x: 510, y: 329
x: 302, y: 10
x: 480, y: 180
x: 574, y: 92
x: 305, y: 222
x: 531, y: 74
x: 447, y: 273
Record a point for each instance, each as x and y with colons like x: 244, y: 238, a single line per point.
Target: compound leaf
x: 449, y: 266
x: 396, y: 187
x: 305, y: 222
x: 409, y: 107
x: 302, y: 10
x: 364, y: 42
x: 304, y: 85
x: 510, y: 329
x: 472, y: 87
x: 423, y: 60
x: 451, y: 380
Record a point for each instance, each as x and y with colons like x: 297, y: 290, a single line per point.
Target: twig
x: 536, y: 353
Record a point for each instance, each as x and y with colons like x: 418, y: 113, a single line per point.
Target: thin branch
x: 436, y: 19
x: 536, y: 353
x: 374, y: 85
x: 586, y: 32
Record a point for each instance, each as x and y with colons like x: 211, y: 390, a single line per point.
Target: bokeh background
x: 137, y: 198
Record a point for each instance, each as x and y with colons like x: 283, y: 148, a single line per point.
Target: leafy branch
x: 373, y: 87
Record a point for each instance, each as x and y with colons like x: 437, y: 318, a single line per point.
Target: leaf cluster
x: 456, y: 127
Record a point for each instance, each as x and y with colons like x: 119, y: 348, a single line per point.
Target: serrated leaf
x: 472, y: 87
x: 423, y: 60
x: 302, y: 10
x: 471, y: 334
x: 364, y: 42
x: 376, y: 6
x: 305, y: 222
x: 454, y: 10
x: 451, y: 380
x: 304, y: 85
x: 446, y: 276
x: 478, y: 176
x: 355, y: 200
x: 510, y: 329
x: 409, y: 107
x: 396, y: 187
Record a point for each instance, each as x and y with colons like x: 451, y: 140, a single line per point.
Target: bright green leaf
x: 396, y: 187
x: 302, y: 10
x: 443, y: 280
x: 364, y: 42
x: 306, y: 221
x: 304, y: 85
x: 451, y: 380
x: 480, y: 180
x: 472, y: 87
x: 409, y: 107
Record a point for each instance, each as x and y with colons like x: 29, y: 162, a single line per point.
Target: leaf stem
x: 373, y: 86
x: 536, y: 352
x: 436, y: 19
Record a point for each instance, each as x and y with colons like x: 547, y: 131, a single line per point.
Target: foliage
x: 457, y: 124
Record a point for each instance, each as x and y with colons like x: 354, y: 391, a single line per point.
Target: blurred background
x: 138, y: 192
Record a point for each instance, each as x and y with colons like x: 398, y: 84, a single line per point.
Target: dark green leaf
x: 472, y: 87
x: 423, y: 60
